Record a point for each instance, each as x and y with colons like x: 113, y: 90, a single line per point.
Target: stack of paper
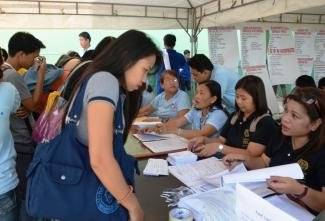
x: 289, y: 170
x: 144, y: 124
x: 182, y: 157
x: 156, y: 167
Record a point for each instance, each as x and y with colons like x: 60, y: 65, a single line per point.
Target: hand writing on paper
x: 285, y: 185
x: 232, y: 160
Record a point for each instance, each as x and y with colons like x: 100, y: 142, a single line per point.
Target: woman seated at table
x: 169, y: 104
x: 302, y: 140
x: 247, y: 130
x: 207, y: 117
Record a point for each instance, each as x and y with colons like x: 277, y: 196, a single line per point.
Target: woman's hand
x: 206, y: 150
x: 285, y: 185
x: 232, y: 160
x: 166, y: 128
x: 196, y: 142
x: 135, y: 210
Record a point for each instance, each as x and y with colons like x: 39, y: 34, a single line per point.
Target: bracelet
x: 125, y: 196
x: 179, y: 131
x: 302, y: 195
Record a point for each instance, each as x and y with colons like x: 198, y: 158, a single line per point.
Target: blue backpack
x: 61, y: 183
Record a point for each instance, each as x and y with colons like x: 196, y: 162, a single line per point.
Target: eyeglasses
x: 171, y: 81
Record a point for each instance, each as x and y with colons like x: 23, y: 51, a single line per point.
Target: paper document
x: 192, y: 174
x: 146, y: 137
x: 216, y: 179
x: 182, y: 157
x: 171, y: 143
x: 143, y: 124
x: 290, y: 207
x: 289, y: 170
x: 280, y: 208
x: 214, y: 205
x: 156, y: 167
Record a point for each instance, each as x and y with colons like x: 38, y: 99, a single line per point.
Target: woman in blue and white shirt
x: 207, y: 116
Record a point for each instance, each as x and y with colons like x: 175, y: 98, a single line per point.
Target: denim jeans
x: 8, y: 206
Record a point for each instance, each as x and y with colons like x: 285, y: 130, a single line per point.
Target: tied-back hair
x: 117, y: 58
x: 215, y: 90
x: 254, y: 86
x: 313, y: 100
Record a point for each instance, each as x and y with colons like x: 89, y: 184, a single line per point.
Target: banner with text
x: 305, y: 50
x: 320, y: 55
x: 253, y: 57
x: 282, y: 60
x: 223, y: 47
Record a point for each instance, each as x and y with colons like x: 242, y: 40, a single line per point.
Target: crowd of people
x: 229, y: 117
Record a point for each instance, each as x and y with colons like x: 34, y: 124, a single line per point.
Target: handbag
x: 48, y: 124
x: 61, y: 183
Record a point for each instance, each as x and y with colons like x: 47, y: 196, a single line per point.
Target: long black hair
x: 117, y: 58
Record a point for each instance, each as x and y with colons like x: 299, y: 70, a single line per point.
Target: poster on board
x: 281, y: 56
x: 253, y: 58
x: 305, y: 50
x: 319, y: 55
x: 223, y: 47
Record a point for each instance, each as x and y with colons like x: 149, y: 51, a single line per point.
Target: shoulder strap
x: 234, y: 118
x: 5, y: 67
x: 76, y: 109
x: 252, y: 127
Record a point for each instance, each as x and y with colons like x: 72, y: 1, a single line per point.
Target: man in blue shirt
x: 172, y: 60
x: 202, y: 69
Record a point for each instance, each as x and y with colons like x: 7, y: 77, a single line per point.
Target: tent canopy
x: 153, y: 14
x: 190, y: 15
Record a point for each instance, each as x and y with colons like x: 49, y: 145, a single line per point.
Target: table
x: 148, y: 190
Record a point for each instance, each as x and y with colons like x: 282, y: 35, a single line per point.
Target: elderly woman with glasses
x: 171, y: 103
x: 301, y: 140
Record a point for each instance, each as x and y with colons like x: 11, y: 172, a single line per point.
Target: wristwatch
x: 220, y: 148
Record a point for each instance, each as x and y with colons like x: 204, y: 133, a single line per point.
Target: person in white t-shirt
x: 84, y: 39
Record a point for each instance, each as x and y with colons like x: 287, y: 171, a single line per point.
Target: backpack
x: 252, y: 127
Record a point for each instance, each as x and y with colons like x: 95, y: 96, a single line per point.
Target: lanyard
x: 203, y: 120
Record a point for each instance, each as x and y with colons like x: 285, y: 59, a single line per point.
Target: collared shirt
x: 227, y: 80
x: 215, y: 118
x: 9, y: 103
x: 170, y: 108
x: 281, y: 152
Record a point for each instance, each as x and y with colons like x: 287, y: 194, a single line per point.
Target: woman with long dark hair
x: 115, y: 76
